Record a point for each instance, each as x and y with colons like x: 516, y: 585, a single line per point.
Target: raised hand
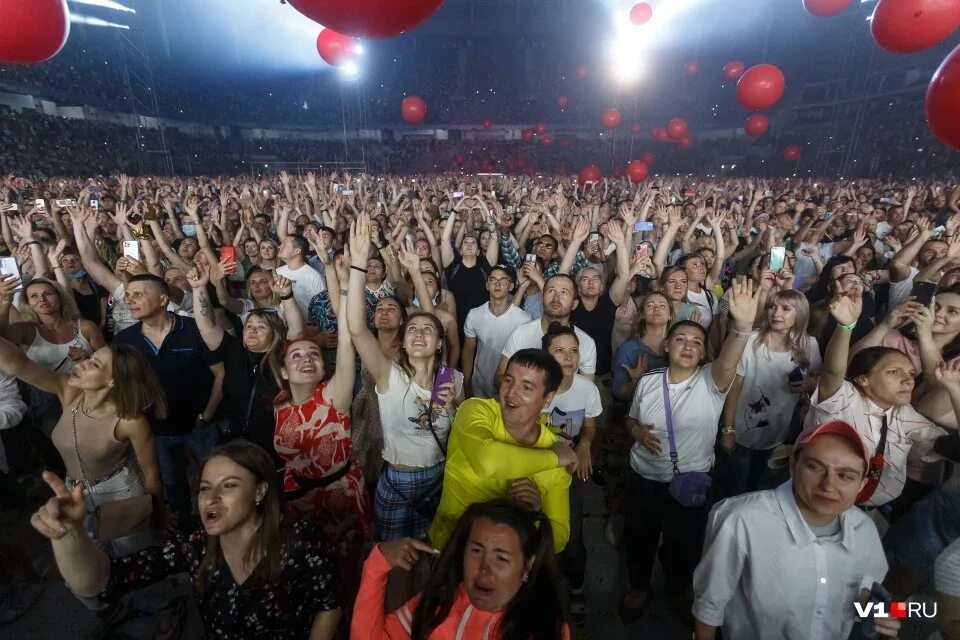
x: 948, y: 374
x: 845, y: 308
x: 199, y: 276
x: 616, y: 232
x: 743, y: 302
x: 580, y: 231
x: 408, y: 257
x: 637, y: 371
x: 62, y: 513
x: 55, y: 253
x: 22, y: 227
x: 360, y: 240
x: 9, y: 283
x: 281, y: 286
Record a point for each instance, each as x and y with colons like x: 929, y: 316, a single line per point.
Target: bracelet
x: 288, y: 297
x: 847, y: 327
x: 740, y: 334
x: 356, y: 268
x: 30, y: 242
x: 727, y: 429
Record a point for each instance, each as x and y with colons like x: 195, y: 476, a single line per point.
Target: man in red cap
x: 789, y: 563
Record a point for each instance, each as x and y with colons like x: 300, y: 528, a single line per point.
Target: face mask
x: 76, y: 275
x: 189, y: 230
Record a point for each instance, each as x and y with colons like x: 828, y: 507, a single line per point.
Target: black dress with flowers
x: 309, y: 583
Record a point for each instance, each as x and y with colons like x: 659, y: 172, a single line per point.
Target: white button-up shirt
x: 906, y: 429
x: 764, y: 574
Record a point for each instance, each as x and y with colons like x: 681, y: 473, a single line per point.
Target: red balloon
x: 582, y: 72
x: 660, y: 135
x: 413, y: 109
x: 733, y: 69
x: 458, y: 159
x: 791, y: 153
x: 640, y: 13
x: 635, y: 128
x: 589, y: 173
x: 760, y: 87
x: 528, y: 134
x: 686, y: 141
x: 488, y: 167
x: 825, y: 8
x: 547, y: 141
x: 335, y: 48
x: 611, y: 118
x: 32, y: 30
x: 677, y: 128
x: 692, y: 68
x: 487, y: 123
x: 540, y: 128
x: 565, y: 143
x: 367, y: 18
x: 908, y: 26
x: 943, y: 100
x: 562, y: 101
x: 757, y: 125
x: 637, y: 170
x: 648, y: 158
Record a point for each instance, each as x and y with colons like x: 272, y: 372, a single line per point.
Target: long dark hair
x: 536, y: 611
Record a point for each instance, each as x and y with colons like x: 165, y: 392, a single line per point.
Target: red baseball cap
x: 837, y: 428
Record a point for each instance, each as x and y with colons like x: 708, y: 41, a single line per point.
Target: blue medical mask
x: 189, y: 230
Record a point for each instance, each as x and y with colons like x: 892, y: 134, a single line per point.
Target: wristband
x: 727, y: 429
x: 356, y: 268
x: 847, y: 327
x: 739, y: 334
x: 288, y: 297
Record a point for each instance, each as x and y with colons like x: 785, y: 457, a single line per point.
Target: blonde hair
x: 68, y: 306
x: 797, y: 338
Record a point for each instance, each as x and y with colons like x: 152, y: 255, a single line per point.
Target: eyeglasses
x: 499, y: 280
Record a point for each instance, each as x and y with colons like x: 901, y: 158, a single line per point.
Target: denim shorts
x: 927, y: 529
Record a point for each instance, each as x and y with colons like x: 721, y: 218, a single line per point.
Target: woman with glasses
x: 260, y: 292
x: 839, y: 277
x: 417, y: 405
x: 251, y: 364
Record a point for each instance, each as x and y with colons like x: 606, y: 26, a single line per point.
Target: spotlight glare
x: 349, y: 70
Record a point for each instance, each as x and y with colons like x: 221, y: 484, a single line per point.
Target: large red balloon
x: 942, y: 105
x: 677, y: 128
x: 367, y: 18
x: 733, y: 69
x: 547, y: 141
x: 686, y: 141
x: 692, y: 68
x: 589, y: 173
x: 582, y: 73
x: 660, y: 135
x: 791, y: 153
x: 335, y: 48
x: 825, y: 8
x: 760, y: 87
x: 540, y: 128
x: 562, y: 101
x: 32, y: 30
x: 648, y: 158
x: 635, y: 128
x: 611, y: 118
x: 413, y: 109
x: 527, y: 134
x: 757, y: 125
x: 640, y: 13
x: 637, y: 170
x: 908, y: 26
x: 487, y: 123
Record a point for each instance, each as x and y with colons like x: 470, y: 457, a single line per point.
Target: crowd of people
x: 370, y: 405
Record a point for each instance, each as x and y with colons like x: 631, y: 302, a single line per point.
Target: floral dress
x: 309, y: 583
x: 322, y: 483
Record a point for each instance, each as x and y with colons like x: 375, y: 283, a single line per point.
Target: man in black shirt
x: 190, y: 375
x: 466, y: 270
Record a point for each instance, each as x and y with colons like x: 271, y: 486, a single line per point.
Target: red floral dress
x: 313, y: 439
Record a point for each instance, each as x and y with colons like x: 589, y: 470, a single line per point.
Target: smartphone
x: 777, y: 257
x: 878, y: 595
x: 531, y: 258
x: 410, y: 238
x: 937, y: 231
x: 796, y: 375
x: 827, y: 214
x: 643, y: 250
x: 458, y: 194
x: 94, y: 203
x: 644, y: 225
x: 266, y: 193
x: 922, y: 292
x: 131, y: 249
x: 444, y: 375
x: 593, y: 237
x: 65, y: 203
x: 8, y: 266
x: 228, y: 254
x: 39, y: 204
x: 348, y: 192
x: 13, y: 206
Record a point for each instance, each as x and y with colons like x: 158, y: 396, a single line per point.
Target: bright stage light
x: 95, y: 22
x: 349, y: 70
x: 358, y: 49
x: 106, y: 4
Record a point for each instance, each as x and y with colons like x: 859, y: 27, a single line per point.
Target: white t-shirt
x: 307, y: 282
x: 766, y: 401
x: 491, y: 333
x: 706, y: 305
x: 406, y: 425
x: 530, y: 336
x: 185, y: 308
x: 697, y: 404
x: 900, y: 290
x: 569, y: 409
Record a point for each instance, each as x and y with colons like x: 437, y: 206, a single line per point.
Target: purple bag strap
x: 668, y: 412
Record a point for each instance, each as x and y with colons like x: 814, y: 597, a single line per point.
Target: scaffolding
x: 153, y: 156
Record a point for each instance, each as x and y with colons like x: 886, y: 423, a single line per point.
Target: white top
x: 120, y: 313
x: 307, y: 282
x: 185, y: 308
x: 900, y: 290
x: 764, y: 573
x: 491, y: 332
x: 406, y: 427
x: 56, y: 356
x: 706, y: 305
x: 946, y: 574
x: 697, y: 404
x: 766, y: 401
x: 12, y: 407
x: 530, y: 336
x: 569, y: 409
x: 905, y: 429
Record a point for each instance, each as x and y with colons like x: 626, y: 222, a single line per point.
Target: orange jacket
x: 371, y: 622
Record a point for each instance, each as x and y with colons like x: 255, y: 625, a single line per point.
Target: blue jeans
x: 745, y: 470
x: 927, y: 529
x: 172, y: 457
